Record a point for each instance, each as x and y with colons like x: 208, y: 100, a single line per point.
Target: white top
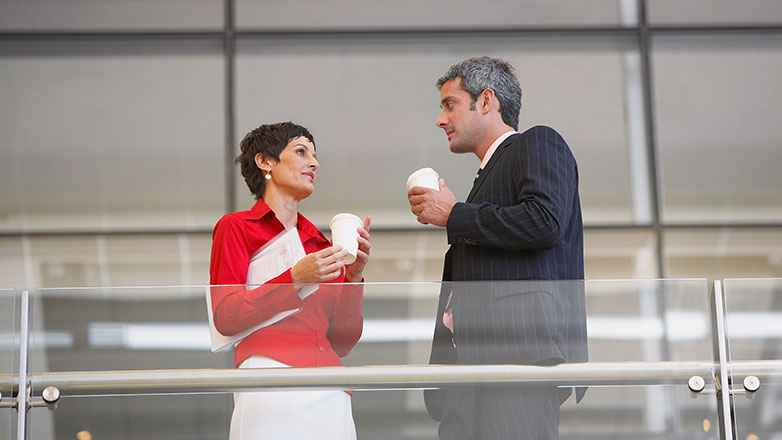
x: 494, y: 146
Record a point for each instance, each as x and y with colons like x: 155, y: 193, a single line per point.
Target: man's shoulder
x: 540, y: 133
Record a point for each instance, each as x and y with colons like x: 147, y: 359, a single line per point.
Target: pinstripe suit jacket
x: 521, y: 221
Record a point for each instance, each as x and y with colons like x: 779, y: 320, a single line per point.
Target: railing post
x: 722, y: 380
x: 22, y: 394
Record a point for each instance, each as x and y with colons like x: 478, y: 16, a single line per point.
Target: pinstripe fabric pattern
x: 521, y: 221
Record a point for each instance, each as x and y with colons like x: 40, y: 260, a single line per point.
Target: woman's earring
x: 268, y: 176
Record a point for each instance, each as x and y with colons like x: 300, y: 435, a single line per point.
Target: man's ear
x: 264, y: 164
x: 486, y: 100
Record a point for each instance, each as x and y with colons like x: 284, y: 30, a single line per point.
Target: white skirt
x: 293, y: 415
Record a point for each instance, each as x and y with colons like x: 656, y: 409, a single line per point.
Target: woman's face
x: 294, y: 174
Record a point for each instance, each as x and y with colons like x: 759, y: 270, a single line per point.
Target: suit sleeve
x: 234, y: 307
x: 541, y: 173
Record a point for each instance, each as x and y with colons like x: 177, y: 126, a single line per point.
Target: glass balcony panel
x: 179, y: 417
x: 142, y: 328
x: 723, y: 252
x: 9, y: 358
x: 754, y: 335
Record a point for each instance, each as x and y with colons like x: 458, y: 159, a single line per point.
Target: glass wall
x: 719, y: 165
x: 153, y: 328
x: 279, y: 15
x: 160, y: 328
x: 85, y: 15
x: 9, y: 358
x: 119, y: 120
x: 110, y: 135
x: 754, y: 333
x: 123, y: 117
x: 373, y: 102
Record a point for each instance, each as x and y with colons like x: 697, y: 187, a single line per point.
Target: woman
x: 278, y: 163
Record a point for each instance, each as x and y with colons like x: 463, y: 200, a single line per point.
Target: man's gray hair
x: 481, y: 73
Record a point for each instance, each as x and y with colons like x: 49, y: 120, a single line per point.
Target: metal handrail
x: 768, y: 368
x: 366, y: 377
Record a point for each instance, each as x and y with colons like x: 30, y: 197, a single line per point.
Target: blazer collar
x: 492, y: 162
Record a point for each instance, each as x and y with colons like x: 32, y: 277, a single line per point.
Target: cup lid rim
x: 343, y: 215
x: 417, y: 173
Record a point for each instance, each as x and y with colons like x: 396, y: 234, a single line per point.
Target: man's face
x: 459, y: 117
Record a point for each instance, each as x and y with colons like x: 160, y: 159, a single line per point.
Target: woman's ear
x: 265, y: 165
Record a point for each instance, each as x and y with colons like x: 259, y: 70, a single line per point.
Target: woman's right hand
x: 320, y: 267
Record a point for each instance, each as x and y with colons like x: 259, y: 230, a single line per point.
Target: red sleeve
x: 347, y: 323
x: 235, y: 308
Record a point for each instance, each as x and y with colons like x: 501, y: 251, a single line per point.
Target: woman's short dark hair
x: 269, y: 140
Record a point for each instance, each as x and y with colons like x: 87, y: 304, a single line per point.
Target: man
x: 521, y: 221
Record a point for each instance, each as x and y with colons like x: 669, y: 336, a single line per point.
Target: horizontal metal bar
x: 770, y: 368
x: 355, y: 32
x: 9, y: 385
x: 760, y: 28
x: 461, y: 31
x: 366, y: 377
x: 401, y: 229
x: 121, y: 34
x: 114, y: 232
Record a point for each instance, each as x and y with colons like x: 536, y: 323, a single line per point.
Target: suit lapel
x: 495, y: 158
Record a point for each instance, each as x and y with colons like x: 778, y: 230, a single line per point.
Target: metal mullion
x: 651, y: 145
x: 24, y: 387
x: 229, y: 48
x: 722, y: 358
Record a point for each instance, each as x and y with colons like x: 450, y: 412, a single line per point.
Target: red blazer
x: 329, y: 323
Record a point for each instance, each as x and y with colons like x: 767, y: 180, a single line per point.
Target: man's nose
x: 441, y: 121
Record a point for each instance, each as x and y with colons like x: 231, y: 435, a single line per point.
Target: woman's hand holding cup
x: 354, y: 272
x: 321, y: 266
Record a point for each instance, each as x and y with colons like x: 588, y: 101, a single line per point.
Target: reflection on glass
x: 166, y: 327
x: 115, y: 15
x: 277, y: 14
x: 9, y: 361
x: 534, y: 323
x: 713, y: 174
x: 754, y: 332
x: 715, y: 12
x: 73, y: 88
x: 348, y: 71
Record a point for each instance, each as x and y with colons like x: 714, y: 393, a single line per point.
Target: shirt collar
x: 259, y: 210
x: 494, y: 146
x: 305, y: 227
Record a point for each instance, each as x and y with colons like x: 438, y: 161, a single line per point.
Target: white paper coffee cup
x: 425, y: 177
x: 344, y: 231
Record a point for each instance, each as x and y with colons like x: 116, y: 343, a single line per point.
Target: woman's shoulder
x: 232, y: 220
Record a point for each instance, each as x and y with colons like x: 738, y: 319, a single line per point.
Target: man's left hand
x: 430, y: 206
